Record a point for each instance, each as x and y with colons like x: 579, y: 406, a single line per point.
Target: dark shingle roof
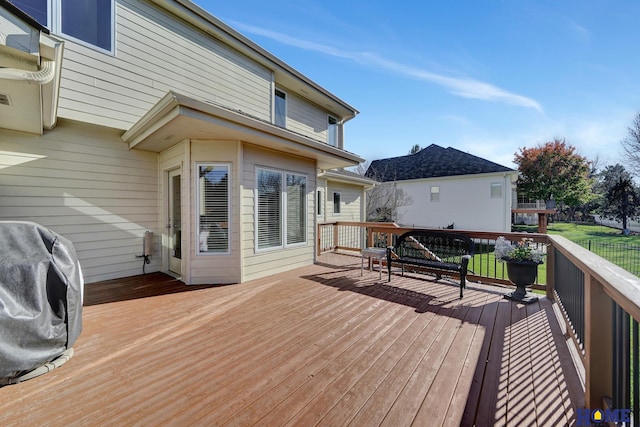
x: 431, y: 162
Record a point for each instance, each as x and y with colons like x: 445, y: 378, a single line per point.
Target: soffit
x: 177, y: 117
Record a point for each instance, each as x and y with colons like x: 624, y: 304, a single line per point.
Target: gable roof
x: 431, y: 162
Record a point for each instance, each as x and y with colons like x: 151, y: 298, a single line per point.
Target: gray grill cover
x: 40, y: 297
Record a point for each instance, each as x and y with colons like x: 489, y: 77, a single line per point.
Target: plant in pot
x: 522, y: 259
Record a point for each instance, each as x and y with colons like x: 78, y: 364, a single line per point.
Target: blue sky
x: 485, y: 77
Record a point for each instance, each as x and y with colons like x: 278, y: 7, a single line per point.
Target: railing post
x: 551, y: 273
x: 598, y: 343
x: 335, y: 236
x: 369, y: 241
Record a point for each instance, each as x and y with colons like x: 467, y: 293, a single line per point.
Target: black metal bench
x: 437, y: 252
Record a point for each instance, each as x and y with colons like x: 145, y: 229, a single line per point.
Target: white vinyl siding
x: 84, y: 183
x: 350, y: 202
x: 213, y: 208
x: 306, y: 118
x: 157, y: 53
x: 472, y: 208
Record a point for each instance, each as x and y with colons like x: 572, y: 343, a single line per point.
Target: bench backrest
x: 436, y: 246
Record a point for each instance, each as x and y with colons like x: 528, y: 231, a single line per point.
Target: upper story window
x: 332, y: 131
x: 336, y: 202
x: 496, y: 190
x: 89, y: 22
x: 435, y: 194
x: 280, y: 108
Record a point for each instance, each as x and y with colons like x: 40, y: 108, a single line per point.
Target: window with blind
x: 281, y: 205
x: 213, y: 208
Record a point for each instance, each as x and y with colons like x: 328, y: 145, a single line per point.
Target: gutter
x: 45, y: 73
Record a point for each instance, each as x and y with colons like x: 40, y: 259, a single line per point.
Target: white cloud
x: 459, y: 86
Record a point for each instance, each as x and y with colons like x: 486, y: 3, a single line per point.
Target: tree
x: 620, y: 198
x: 384, y: 199
x: 631, y: 145
x: 415, y: 149
x: 554, y: 171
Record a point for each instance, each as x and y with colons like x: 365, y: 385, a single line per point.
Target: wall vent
x: 4, y: 99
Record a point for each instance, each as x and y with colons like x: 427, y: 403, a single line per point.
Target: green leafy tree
x: 554, y: 171
x: 620, y: 198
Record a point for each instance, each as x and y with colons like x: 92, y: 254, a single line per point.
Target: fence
x: 623, y: 255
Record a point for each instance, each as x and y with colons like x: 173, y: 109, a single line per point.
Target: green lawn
x: 607, y: 242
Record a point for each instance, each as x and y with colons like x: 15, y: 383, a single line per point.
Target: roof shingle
x: 431, y: 162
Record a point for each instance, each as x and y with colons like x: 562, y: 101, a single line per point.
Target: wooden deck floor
x: 317, y: 346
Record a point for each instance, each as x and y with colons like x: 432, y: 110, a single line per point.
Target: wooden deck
x: 316, y: 346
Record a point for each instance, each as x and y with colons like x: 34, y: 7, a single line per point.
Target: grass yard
x: 607, y: 242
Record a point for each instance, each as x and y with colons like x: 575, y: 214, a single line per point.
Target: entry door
x: 175, y: 222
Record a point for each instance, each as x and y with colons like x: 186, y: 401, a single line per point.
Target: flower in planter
x: 522, y: 251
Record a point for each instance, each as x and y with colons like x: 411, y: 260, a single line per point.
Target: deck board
x: 321, y: 345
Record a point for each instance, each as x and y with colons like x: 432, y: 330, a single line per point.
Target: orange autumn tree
x: 554, y: 170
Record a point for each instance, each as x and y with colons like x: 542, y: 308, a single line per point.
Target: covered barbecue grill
x: 40, y: 300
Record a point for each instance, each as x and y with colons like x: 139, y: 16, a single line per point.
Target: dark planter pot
x: 522, y: 274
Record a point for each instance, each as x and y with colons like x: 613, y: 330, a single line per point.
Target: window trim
x: 335, y: 132
x: 496, y: 185
x: 319, y: 202
x: 54, y: 24
x: 286, y: 107
x: 339, y: 194
x: 198, y: 205
x: 283, y: 210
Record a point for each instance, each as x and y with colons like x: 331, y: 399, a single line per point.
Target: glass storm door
x: 175, y: 222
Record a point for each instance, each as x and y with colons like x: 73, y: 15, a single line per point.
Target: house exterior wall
x: 306, y: 118
x: 156, y: 53
x: 216, y: 268
x: 465, y: 201
x: 260, y: 263
x: 104, y: 196
x: 350, y: 202
x: 83, y: 182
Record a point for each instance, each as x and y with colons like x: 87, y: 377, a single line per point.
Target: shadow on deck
x: 318, y: 345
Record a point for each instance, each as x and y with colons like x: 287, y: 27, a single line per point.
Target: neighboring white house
x: 123, y: 116
x: 450, y: 188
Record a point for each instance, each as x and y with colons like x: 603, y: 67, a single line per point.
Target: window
x: 336, y: 202
x: 435, y: 194
x: 281, y: 109
x: 213, y: 208
x: 319, y: 203
x: 90, y: 22
x: 332, y: 131
x: 281, y: 202
x: 496, y: 190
